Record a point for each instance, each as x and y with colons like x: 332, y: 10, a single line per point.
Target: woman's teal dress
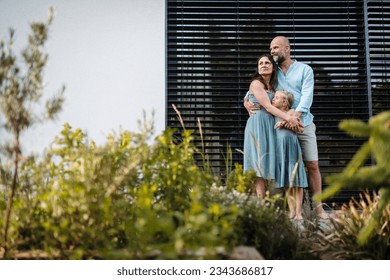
x: 259, y: 142
x: 288, y: 154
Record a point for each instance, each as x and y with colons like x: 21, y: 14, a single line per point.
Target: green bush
x: 357, y: 175
x: 134, y: 200
x: 261, y: 224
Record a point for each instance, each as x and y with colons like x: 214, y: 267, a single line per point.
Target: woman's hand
x: 250, y: 107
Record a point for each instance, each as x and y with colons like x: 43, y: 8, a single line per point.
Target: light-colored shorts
x: 308, y: 142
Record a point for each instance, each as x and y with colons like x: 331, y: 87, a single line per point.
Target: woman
x: 259, y: 139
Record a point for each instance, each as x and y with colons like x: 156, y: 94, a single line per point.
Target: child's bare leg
x: 260, y: 187
x: 290, y: 202
x: 298, y: 203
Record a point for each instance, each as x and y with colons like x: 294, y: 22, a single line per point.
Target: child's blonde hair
x: 289, y: 97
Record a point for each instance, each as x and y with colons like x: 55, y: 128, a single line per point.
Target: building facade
x: 212, y: 48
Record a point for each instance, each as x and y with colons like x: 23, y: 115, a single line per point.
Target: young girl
x: 290, y: 170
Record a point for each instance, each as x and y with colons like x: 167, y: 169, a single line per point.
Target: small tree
x: 21, y: 90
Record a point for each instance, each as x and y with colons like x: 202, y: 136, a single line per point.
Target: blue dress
x: 288, y: 153
x: 259, y: 142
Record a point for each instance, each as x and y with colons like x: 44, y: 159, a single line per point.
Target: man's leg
x: 315, y: 183
x: 308, y: 142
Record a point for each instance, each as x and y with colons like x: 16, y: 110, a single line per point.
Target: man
x: 298, y: 78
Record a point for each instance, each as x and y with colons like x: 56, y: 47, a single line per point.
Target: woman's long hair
x: 274, y: 75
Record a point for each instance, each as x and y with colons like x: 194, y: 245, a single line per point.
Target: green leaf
x: 355, y: 128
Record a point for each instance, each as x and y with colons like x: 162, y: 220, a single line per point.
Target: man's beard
x: 279, y: 58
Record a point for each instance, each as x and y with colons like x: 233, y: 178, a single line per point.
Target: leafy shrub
x: 261, y: 224
x: 84, y: 201
x: 134, y: 200
x: 358, y: 176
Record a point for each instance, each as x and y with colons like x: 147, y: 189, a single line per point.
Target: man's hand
x: 287, y: 125
x: 250, y: 107
x: 295, y: 125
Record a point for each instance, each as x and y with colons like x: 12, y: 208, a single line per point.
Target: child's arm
x: 280, y: 124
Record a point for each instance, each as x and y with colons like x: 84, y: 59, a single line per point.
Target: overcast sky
x: 109, y: 54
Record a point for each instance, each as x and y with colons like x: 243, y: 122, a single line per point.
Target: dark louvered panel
x: 212, y: 48
x: 379, y: 42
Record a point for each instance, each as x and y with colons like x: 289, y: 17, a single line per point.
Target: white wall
x: 109, y: 54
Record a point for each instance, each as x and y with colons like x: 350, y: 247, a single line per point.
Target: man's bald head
x: 280, y: 49
x: 281, y: 40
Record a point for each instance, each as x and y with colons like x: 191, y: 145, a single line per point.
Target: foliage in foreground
x: 128, y: 199
x: 21, y: 91
x: 374, y: 177
x: 341, y: 239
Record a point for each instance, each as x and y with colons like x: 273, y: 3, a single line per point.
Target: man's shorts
x: 308, y: 142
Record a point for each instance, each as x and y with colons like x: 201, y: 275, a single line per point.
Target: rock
x: 245, y: 253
